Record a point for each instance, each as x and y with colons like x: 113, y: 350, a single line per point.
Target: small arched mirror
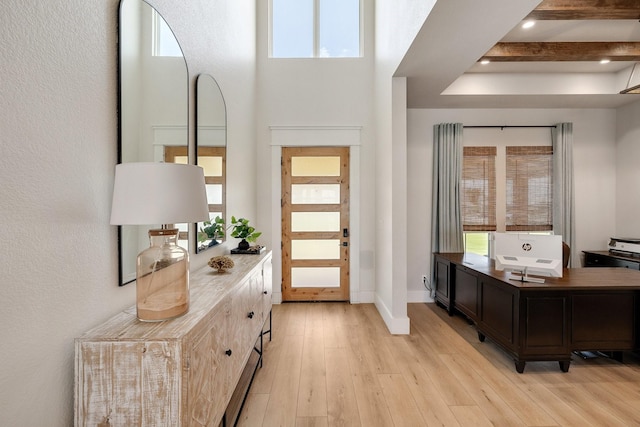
x: 211, y: 155
x: 154, y: 109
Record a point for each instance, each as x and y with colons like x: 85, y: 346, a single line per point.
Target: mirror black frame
x: 173, y: 130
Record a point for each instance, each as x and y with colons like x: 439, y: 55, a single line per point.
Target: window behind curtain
x: 529, y: 188
x: 479, y: 189
x: 478, y: 197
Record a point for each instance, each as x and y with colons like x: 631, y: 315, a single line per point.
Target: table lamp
x: 166, y: 194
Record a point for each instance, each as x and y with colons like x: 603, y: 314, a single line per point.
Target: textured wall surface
x: 58, y: 136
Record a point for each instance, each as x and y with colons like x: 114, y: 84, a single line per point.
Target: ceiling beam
x: 586, y: 9
x: 564, y: 51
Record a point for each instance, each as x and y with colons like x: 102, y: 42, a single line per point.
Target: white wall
x: 58, y: 139
x: 628, y: 171
x: 594, y: 174
x: 397, y: 24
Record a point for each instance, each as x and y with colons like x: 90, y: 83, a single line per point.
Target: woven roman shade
x: 529, y: 188
x: 479, y: 189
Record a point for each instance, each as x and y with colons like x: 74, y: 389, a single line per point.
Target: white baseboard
x: 367, y: 297
x: 396, y: 325
x: 419, y: 296
x: 276, y: 298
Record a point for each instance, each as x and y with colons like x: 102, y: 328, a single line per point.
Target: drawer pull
x: 265, y: 292
x: 251, y: 314
x: 228, y: 352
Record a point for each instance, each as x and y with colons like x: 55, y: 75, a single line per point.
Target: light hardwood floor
x: 336, y: 364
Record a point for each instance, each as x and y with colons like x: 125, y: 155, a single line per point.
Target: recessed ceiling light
x: 605, y: 61
x: 485, y: 61
x: 528, y: 24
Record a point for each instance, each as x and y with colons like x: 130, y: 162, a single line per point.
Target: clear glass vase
x: 162, y: 283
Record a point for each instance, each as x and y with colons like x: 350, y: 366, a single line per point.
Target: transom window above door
x: 315, y: 28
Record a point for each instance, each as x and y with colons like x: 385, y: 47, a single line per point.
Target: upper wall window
x: 315, y: 28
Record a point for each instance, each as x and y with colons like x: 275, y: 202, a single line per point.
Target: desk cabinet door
x: 603, y: 320
x: 442, y: 281
x: 546, y: 324
x: 499, y: 308
x: 466, y: 291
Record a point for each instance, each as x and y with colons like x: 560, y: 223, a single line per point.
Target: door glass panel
x: 315, y: 249
x: 315, y: 221
x: 214, y: 194
x: 183, y: 160
x: 315, y: 194
x: 315, y: 166
x: 315, y: 277
x: 212, y: 165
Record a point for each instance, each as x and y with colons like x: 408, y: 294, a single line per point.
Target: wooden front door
x: 315, y: 224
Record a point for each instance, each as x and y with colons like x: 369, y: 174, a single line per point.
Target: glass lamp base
x: 162, y: 285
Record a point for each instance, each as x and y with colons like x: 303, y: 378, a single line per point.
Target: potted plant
x: 212, y: 229
x: 242, y: 230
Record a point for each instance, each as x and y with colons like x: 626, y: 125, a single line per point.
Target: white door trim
x: 316, y: 136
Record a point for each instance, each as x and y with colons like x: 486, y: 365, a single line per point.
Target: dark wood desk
x: 588, y: 309
x: 611, y: 259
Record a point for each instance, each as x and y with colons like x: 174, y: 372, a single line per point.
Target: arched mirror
x: 154, y: 109
x: 211, y: 154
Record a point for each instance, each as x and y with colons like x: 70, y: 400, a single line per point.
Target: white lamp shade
x: 158, y: 193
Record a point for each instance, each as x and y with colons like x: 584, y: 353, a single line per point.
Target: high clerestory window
x: 315, y: 28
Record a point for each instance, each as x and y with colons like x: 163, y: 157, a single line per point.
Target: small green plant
x: 242, y: 230
x: 212, y: 229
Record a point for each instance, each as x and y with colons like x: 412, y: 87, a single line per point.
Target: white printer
x: 624, y: 245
